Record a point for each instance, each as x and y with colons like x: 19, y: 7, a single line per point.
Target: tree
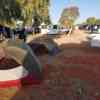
x: 25, y: 10
x: 9, y: 11
x: 91, y: 20
x: 97, y: 22
x: 43, y: 11
x: 69, y: 15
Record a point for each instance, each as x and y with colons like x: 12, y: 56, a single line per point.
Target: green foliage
x: 91, y: 20
x: 25, y: 10
x: 97, y: 22
x: 43, y: 11
x: 36, y: 8
x: 9, y: 11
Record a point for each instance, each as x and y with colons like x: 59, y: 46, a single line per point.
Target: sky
x: 87, y: 8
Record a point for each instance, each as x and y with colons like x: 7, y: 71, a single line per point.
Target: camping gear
x: 39, y: 49
x: 52, y: 48
x: 49, y: 47
x: 29, y: 70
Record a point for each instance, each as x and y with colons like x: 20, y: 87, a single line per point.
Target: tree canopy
x: 97, y: 22
x: 13, y: 10
x: 69, y: 15
x: 9, y: 10
x: 91, y: 20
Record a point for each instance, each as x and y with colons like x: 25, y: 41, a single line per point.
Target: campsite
x: 49, y: 50
x: 67, y: 74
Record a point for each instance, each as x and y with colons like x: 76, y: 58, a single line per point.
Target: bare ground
x: 69, y: 75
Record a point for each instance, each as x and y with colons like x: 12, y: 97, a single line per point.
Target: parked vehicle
x: 53, y: 30
x: 95, y: 41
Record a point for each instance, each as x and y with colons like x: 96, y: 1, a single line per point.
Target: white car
x: 53, y: 30
x: 90, y: 36
x: 94, y: 40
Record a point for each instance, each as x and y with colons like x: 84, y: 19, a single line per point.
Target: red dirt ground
x: 73, y: 74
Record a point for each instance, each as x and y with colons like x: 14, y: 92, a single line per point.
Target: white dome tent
x: 29, y: 70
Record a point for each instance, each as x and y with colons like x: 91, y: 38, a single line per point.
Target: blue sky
x: 87, y: 8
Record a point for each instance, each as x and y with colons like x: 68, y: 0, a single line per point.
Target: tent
x: 49, y: 47
x: 39, y: 48
x: 52, y: 47
x: 29, y: 70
